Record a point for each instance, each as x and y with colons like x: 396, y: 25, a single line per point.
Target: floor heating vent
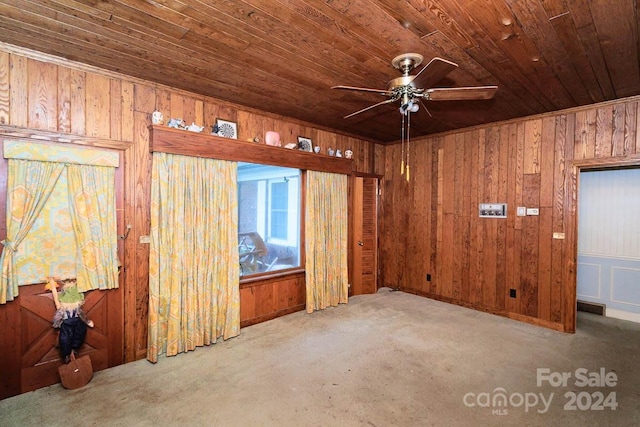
x: 592, y: 307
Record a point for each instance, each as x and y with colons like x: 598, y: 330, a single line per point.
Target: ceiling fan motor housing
x: 407, y: 62
x: 400, y: 81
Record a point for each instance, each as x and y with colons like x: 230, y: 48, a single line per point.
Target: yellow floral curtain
x: 29, y: 185
x: 194, y: 295
x: 93, y: 216
x: 39, y: 190
x: 326, y: 240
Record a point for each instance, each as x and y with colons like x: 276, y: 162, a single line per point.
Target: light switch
x: 522, y: 211
x: 559, y: 236
x: 533, y: 211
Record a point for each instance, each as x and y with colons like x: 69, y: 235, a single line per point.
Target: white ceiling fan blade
x: 370, y: 107
x: 433, y: 72
x: 364, y: 89
x: 461, y: 93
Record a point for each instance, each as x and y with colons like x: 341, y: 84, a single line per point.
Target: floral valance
x: 59, y: 153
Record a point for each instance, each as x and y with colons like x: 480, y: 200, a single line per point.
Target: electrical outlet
x: 428, y: 277
x: 512, y: 293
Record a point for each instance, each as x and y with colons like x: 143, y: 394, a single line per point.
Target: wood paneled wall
x: 431, y: 224
x: 43, y: 93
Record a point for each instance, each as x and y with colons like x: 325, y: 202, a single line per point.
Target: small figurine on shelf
x: 316, y: 149
x: 272, y: 138
x: 338, y: 153
x: 157, y: 118
x: 330, y: 151
x: 177, y: 124
x: 348, y: 153
x: 193, y: 127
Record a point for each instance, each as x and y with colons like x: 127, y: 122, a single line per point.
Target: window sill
x: 258, y: 279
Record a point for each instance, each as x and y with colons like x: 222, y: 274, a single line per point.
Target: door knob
x: 360, y: 243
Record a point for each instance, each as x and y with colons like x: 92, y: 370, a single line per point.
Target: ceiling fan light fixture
x: 409, y: 107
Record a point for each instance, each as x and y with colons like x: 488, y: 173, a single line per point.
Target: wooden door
x: 365, y: 235
x: 34, y: 357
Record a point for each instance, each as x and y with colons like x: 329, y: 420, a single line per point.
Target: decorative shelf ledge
x: 179, y: 141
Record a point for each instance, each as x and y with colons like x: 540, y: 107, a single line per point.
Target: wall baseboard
x: 623, y: 315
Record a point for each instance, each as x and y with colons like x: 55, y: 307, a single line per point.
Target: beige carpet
x: 390, y: 359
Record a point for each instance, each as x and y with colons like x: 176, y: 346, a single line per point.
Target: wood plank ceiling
x: 283, y: 56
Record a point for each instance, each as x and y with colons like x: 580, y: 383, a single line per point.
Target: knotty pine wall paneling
x: 43, y: 93
x: 431, y: 224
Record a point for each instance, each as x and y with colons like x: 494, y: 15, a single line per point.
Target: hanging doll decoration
x: 69, y: 316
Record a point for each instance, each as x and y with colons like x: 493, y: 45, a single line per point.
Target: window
x: 268, y: 218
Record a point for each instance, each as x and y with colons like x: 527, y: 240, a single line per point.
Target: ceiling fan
x: 411, y: 90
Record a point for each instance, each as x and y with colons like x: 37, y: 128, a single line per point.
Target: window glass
x: 268, y: 218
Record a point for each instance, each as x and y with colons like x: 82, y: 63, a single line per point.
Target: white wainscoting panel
x: 625, y: 285
x: 590, y: 280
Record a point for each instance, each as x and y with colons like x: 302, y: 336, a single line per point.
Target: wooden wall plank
x: 115, y: 109
x: 557, y: 245
x: 4, y: 88
x: 420, y: 188
x: 467, y: 212
x: 630, y: 126
x: 545, y: 231
x: 501, y: 236
x: 490, y: 225
x: 43, y: 103
x: 585, y: 134
x: 604, y: 134
x: 532, y: 135
x: 510, y: 247
x: 448, y: 198
x: 189, y: 111
x: 64, y: 100
x: 547, y: 144
x: 475, y: 290
x: 19, y: 94
x: 618, y: 130
x: 439, y: 223
x: 127, y: 126
x: 530, y: 248
x: 78, y: 96
x: 458, y: 226
x: 141, y: 219
x: 436, y: 214
x: 570, y: 224
x: 97, y: 105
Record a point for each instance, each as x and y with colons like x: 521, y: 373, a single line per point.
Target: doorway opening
x: 608, y: 252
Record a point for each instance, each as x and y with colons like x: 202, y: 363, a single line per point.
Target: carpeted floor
x: 389, y: 359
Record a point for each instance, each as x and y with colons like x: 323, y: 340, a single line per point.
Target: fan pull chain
x: 408, y: 141
x: 402, y: 142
